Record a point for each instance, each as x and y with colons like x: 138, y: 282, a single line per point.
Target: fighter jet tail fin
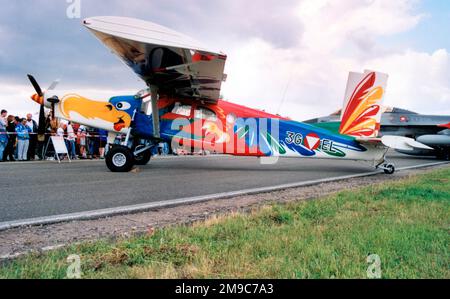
x: 361, y: 115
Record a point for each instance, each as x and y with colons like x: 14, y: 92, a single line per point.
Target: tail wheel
x: 389, y: 169
x: 143, y: 158
x: 119, y: 159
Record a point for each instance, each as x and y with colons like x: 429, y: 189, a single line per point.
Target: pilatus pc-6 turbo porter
x: 184, y: 80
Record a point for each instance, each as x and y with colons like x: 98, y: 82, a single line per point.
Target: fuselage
x: 219, y: 127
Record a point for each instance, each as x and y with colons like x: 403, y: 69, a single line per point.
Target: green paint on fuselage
x: 333, y: 127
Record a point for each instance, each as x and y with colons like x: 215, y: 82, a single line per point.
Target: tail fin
x: 361, y: 115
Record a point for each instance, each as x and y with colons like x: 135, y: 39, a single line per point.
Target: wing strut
x: 155, y: 111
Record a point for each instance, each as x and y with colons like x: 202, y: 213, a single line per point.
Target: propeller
x: 39, y: 98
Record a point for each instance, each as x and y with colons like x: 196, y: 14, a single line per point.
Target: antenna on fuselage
x: 284, y: 94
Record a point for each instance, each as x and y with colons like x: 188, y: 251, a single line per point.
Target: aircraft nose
x: 37, y: 99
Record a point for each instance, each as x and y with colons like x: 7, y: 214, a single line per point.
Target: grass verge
x: 406, y: 223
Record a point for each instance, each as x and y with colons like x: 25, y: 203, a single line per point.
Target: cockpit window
x: 205, y: 113
x: 141, y: 93
x: 182, y: 109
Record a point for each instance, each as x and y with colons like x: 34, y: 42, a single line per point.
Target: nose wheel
x: 119, y: 159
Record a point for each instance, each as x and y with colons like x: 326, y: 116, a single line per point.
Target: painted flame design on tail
x: 361, y: 115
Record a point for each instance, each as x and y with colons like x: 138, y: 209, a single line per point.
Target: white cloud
x: 419, y: 81
x: 330, y: 24
x: 338, y: 37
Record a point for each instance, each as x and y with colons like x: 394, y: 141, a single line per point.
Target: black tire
x: 119, y: 159
x: 143, y: 158
x: 390, y: 169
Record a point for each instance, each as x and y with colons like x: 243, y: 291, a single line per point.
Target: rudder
x: 362, y: 111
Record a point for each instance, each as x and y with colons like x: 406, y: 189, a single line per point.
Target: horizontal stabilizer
x: 403, y: 143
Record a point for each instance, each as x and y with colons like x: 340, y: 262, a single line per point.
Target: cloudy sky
x: 287, y: 56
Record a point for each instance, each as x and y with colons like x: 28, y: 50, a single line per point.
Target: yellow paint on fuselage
x: 90, y: 109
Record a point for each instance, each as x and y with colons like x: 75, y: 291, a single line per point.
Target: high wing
x: 174, y: 63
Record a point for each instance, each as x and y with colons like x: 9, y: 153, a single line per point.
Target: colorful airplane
x: 184, y: 79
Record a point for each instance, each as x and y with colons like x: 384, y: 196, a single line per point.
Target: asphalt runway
x: 38, y: 189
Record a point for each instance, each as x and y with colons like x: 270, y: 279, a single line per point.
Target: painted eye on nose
x: 123, y: 106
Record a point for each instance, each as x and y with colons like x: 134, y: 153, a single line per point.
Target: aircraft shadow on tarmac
x: 253, y: 165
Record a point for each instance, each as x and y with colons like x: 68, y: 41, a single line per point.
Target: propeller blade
x: 41, y: 127
x: 54, y: 84
x: 35, y: 85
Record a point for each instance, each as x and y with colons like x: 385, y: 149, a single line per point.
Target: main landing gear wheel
x: 143, y: 158
x: 119, y: 159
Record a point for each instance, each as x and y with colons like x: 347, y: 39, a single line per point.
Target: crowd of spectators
x: 20, y: 141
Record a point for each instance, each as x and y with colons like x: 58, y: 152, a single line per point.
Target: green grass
x: 406, y: 223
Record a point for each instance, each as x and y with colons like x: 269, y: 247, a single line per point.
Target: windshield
x: 142, y: 93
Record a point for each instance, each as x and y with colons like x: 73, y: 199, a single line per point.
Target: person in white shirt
x: 60, y: 131
x: 32, y: 124
x: 71, y: 138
